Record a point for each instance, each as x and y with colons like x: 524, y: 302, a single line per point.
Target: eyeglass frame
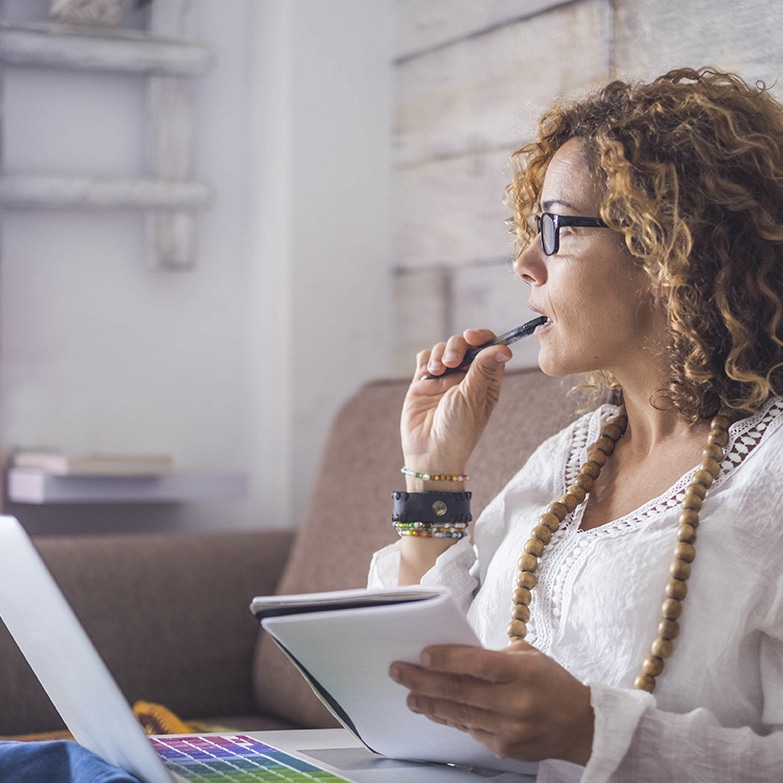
x: 560, y: 221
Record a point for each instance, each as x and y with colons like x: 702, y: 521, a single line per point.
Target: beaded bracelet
x: 432, y: 476
x: 426, y: 530
x: 428, y: 526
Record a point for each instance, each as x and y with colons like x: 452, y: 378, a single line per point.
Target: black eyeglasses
x: 549, y: 225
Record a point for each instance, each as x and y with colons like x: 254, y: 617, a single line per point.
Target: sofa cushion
x: 349, y: 513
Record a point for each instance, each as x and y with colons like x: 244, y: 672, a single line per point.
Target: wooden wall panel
x: 485, y: 92
x: 652, y: 36
x: 421, y: 304
x: 424, y: 24
x: 450, y: 211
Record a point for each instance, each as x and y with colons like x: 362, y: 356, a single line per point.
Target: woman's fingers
x: 518, y: 702
x: 449, y: 354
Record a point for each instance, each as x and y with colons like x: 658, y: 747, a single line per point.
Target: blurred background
x: 219, y: 219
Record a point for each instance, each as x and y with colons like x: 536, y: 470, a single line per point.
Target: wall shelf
x: 93, y: 49
x: 34, y: 190
x: 37, y: 487
x: 169, y: 60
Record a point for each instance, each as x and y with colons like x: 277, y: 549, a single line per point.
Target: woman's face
x: 599, y: 302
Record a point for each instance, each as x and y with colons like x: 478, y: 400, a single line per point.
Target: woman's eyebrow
x: 547, y: 205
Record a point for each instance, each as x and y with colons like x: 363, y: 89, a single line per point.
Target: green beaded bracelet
x: 432, y: 476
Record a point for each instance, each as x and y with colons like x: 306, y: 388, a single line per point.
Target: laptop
x: 96, y: 712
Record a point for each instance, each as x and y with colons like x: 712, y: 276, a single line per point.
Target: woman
x: 651, y: 222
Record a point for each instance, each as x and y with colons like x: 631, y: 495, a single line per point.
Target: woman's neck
x: 656, y: 450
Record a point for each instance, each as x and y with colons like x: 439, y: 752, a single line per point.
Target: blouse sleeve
x: 636, y: 741
x: 454, y: 569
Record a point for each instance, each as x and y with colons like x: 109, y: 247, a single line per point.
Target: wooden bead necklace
x: 684, y: 551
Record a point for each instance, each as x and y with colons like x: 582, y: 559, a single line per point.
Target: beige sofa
x: 169, y: 613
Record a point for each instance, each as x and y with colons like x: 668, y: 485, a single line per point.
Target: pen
x: 504, y: 339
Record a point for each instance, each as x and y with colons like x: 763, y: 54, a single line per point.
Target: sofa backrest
x: 349, y: 515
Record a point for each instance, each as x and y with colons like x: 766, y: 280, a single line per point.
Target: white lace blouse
x: 717, y: 711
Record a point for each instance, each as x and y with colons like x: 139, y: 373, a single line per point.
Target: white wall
x: 239, y: 364
x: 322, y: 223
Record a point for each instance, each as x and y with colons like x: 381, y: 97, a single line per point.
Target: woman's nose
x: 529, y: 265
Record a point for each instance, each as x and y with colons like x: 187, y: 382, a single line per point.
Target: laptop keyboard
x: 235, y: 759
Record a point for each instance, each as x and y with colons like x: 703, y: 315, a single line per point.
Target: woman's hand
x: 518, y: 702
x: 443, y: 418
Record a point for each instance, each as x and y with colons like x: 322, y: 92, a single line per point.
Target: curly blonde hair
x: 692, y: 169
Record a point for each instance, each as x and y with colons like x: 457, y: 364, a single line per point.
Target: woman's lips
x: 544, y: 326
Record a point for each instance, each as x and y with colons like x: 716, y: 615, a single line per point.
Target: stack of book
x: 58, y: 464
x: 38, y: 476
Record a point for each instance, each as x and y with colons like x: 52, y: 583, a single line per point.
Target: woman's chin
x: 557, y: 367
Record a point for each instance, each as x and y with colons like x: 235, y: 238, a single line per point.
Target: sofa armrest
x: 168, y: 613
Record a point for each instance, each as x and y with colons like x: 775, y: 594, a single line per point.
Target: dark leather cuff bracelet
x: 443, y: 508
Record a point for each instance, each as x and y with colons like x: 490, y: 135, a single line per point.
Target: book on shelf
x: 98, y: 464
x: 343, y: 644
